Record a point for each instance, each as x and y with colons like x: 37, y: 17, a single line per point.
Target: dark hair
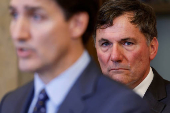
x: 144, y: 16
x: 71, y: 7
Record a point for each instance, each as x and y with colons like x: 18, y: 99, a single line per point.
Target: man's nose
x: 116, y: 53
x: 20, y: 29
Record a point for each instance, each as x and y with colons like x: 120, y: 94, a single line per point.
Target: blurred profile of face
x: 123, y: 52
x: 40, y: 34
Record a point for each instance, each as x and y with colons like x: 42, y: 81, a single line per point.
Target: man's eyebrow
x: 31, y: 8
x: 103, y: 40
x: 11, y: 8
x: 27, y: 8
x: 128, y: 38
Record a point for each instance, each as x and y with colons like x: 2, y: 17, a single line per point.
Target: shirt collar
x: 143, y: 86
x: 58, y: 88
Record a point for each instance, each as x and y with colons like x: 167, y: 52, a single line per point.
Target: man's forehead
x: 120, y: 20
x: 33, y: 3
x: 119, y: 24
x: 111, y: 29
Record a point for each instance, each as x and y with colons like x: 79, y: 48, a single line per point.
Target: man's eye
x: 128, y: 43
x: 14, y: 15
x: 37, y: 17
x: 105, y: 44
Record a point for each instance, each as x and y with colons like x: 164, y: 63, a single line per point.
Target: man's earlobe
x: 153, y: 48
x: 78, y: 24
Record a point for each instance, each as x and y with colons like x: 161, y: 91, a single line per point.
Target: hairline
x: 108, y: 24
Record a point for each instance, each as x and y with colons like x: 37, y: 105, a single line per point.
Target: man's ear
x: 78, y: 24
x: 153, y: 48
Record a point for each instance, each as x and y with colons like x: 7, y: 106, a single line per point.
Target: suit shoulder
x: 112, y: 93
x: 105, y: 81
x: 113, y: 88
x: 13, y: 101
x: 18, y: 93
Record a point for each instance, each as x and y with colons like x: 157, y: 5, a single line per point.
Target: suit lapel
x: 26, y: 99
x: 72, y: 103
x: 82, y: 89
x: 155, y: 93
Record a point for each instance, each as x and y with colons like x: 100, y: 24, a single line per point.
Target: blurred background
x: 11, y: 77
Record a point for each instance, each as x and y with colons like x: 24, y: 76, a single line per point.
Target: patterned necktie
x: 40, y: 105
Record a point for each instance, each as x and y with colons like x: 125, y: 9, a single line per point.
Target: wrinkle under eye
x: 105, y: 46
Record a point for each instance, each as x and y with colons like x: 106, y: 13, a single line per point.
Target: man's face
x: 40, y: 34
x: 123, y: 52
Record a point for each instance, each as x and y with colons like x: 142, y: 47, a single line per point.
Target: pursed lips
x: 119, y: 69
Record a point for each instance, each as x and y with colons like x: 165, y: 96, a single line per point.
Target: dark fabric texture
x: 91, y: 93
x: 40, y: 106
x: 158, y: 94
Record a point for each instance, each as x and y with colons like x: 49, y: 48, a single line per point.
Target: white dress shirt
x: 59, y: 87
x: 143, y: 86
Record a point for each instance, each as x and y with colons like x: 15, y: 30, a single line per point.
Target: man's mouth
x: 23, y: 52
x: 118, y: 69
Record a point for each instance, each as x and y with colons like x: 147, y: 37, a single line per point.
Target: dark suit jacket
x: 92, y: 93
x: 158, y: 94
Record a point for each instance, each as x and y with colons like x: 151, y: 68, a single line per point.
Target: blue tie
x: 40, y: 105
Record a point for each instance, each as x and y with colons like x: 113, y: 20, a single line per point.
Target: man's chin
x: 25, y: 68
x: 28, y: 65
x: 120, y: 78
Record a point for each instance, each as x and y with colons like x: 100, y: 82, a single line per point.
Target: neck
x: 50, y: 72
x: 136, y: 83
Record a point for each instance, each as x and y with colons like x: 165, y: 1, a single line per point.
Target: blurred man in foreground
x: 126, y: 42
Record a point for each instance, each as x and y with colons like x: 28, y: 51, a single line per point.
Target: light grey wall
x: 162, y: 61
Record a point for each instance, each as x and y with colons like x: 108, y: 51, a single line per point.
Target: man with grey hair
x: 126, y: 41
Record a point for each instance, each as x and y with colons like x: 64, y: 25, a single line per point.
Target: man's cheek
x: 103, y: 63
x: 101, y: 59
